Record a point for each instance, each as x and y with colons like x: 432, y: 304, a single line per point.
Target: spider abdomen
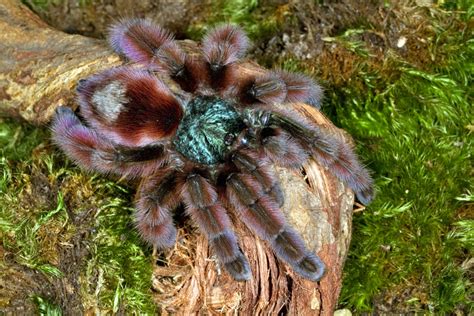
x: 206, y: 128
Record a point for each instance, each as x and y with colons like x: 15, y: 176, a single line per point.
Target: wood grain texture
x: 39, y: 70
x: 40, y: 66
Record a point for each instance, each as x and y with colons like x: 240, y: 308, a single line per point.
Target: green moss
x: 412, y: 123
x: 118, y: 272
x: 46, y: 203
x: 411, y: 127
x: 17, y: 141
x: 46, y: 308
x: 257, y: 20
x: 41, y: 5
x: 19, y: 226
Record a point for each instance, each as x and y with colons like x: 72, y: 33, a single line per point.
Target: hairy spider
x: 206, y: 139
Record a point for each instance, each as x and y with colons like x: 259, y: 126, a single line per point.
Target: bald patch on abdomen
x: 110, y: 101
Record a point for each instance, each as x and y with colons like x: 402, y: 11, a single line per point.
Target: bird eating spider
x: 207, y: 141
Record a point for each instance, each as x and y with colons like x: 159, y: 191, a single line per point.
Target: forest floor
x: 397, y: 76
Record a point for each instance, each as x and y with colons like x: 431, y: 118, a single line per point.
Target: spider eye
x: 244, y: 141
x: 215, y: 67
x: 229, y: 139
x: 81, y: 84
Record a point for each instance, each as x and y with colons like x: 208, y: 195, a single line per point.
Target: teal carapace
x: 204, y: 129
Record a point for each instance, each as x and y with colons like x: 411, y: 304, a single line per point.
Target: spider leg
x: 249, y: 162
x: 146, y: 43
x: 130, y: 106
x: 138, y: 39
x: 332, y: 151
x: 222, y: 47
x: 268, y: 89
x: 93, y: 152
x: 262, y: 214
x: 301, y: 88
x: 202, y: 203
x: 156, y: 198
x: 279, y: 87
x: 282, y: 148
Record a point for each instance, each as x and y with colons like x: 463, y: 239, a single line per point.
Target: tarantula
x: 207, y: 139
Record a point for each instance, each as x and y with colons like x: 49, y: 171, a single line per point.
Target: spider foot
x: 268, y: 89
x: 289, y: 246
x: 78, y: 141
x: 222, y: 47
x: 301, y: 88
x: 280, y: 87
x: 239, y: 268
x: 139, y: 40
x: 227, y: 250
x: 346, y: 166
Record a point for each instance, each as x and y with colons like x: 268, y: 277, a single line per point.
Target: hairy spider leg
x: 262, y: 214
x: 275, y: 87
x: 282, y: 149
x: 138, y: 39
x: 250, y: 162
x: 301, y: 88
x: 204, y: 207
x: 267, y: 88
x: 222, y: 47
x: 92, y: 151
x: 330, y: 150
x: 146, y: 43
x: 156, y: 198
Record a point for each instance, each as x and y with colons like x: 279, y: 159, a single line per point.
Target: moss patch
x: 403, y: 89
x: 66, y: 235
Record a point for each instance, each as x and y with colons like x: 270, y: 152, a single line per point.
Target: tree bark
x: 39, y: 69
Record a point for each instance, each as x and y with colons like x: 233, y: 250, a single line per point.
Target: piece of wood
x: 39, y: 70
x: 39, y: 66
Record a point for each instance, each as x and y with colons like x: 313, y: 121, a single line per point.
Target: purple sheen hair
x: 162, y: 235
x: 225, y: 246
x: 257, y: 210
x: 204, y: 207
x: 268, y: 89
x: 138, y: 39
x: 301, y: 88
x: 348, y: 169
x: 170, y: 58
x: 77, y: 141
x: 289, y: 246
x: 92, y: 151
x: 224, y: 45
x: 284, y: 150
x: 129, y: 126
x: 141, y: 101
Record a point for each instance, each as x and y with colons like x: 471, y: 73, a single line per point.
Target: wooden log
x: 39, y: 69
x: 40, y: 66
